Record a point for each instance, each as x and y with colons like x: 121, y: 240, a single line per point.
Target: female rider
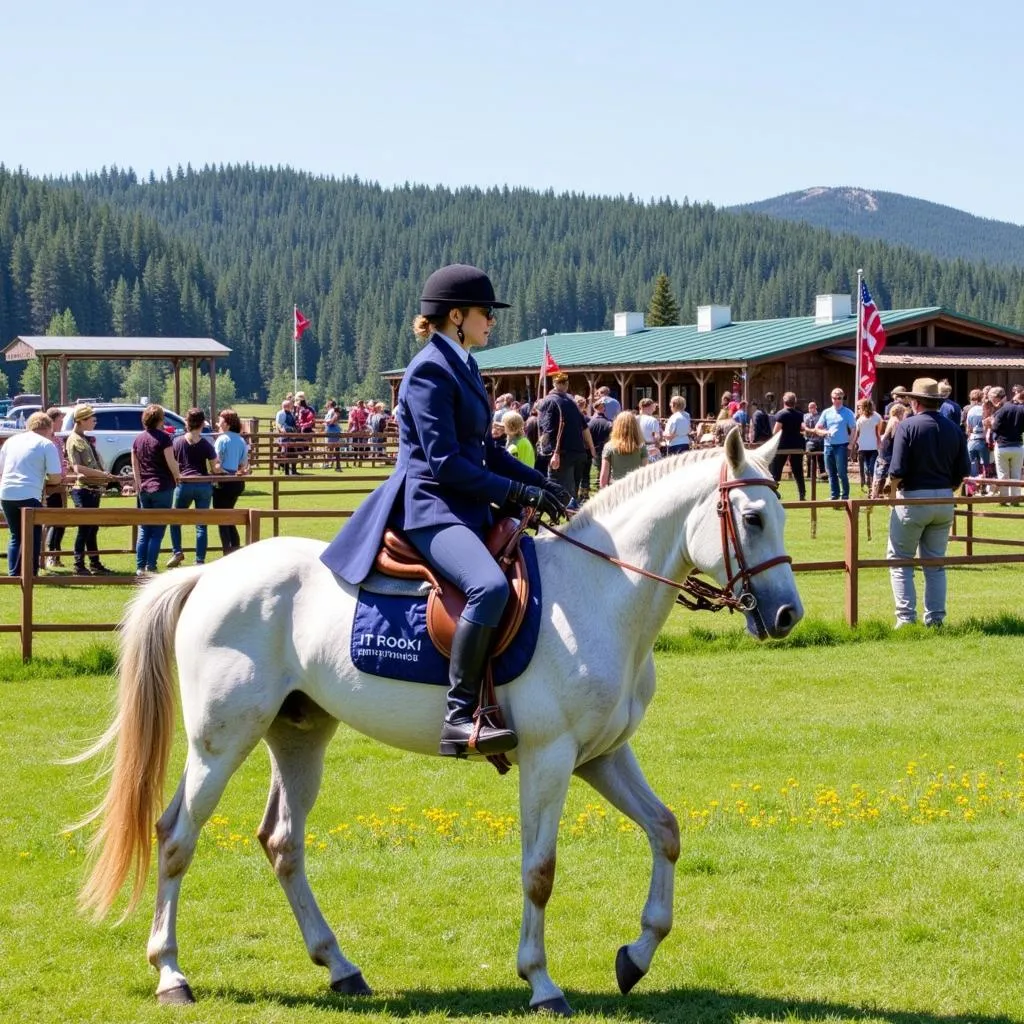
x: 448, y: 474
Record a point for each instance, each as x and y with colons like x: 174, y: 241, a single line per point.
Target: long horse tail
x: 141, y: 734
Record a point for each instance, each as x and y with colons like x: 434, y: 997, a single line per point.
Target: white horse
x: 262, y: 647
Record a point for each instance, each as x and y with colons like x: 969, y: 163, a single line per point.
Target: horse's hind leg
x: 177, y: 832
x: 618, y: 778
x: 297, y: 741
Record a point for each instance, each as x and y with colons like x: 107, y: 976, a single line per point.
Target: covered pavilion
x: 176, y: 351
x: 808, y: 355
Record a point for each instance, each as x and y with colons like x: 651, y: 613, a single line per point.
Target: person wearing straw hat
x: 90, y: 482
x: 898, y: 397
x: 929, y: 460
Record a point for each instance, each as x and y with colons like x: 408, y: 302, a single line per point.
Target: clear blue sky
x: 721, y: 100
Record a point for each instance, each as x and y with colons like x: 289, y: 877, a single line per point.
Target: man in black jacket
x: 929, y: 460
x: 564, y: 436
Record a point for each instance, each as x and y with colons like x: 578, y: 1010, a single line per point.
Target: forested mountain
x: 117, y: 272
x: 901, y: 220
x: 353, y: 256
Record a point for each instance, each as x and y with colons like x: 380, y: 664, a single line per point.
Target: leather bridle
x: 745, y: 600
x: 700, y: 595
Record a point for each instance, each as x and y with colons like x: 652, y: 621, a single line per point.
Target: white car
x: 117, y: 426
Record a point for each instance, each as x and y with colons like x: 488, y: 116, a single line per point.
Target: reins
x: 697, y: 594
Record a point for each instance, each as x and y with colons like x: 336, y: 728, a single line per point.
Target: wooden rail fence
x: 968, y: 511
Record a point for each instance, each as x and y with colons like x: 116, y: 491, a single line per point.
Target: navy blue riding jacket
x: 449, y: 468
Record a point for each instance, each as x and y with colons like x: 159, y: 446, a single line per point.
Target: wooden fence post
x: 812, y: 464
x: 852, y: 558
x: 275, y: 503
x: 28, y: 522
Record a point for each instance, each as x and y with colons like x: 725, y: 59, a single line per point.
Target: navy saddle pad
x: 390, y: 639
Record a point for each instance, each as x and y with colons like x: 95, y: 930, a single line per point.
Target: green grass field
x: 851, y: 802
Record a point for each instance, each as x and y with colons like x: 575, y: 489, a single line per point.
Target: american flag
x: 872, y: 341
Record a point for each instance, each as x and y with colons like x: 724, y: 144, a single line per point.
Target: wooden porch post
x: 63, y: 380
x: 195, y: 381
x: 623, y: 379
x: 702, y: 376
x: 176, y: 363
x: 660, y: 377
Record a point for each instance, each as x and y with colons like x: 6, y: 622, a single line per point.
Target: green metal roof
x: 741, y: 342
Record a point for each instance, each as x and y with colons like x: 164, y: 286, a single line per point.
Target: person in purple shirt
x: 196, y: 457
x: 155, y: 471
x: 929, y: 460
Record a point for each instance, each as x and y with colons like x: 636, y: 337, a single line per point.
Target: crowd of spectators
x: 39, y: 466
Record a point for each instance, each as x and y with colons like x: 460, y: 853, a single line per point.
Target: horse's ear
x: 735, y: 453
x: 766, y: 452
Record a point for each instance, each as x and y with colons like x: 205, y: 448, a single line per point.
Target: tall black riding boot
x: 470, y: 647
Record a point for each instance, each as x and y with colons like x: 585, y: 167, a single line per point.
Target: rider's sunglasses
x: 488, y: 311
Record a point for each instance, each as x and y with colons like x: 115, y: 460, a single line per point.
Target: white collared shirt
x: 462, y: 353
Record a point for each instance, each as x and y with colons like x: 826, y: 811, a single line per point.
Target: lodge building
x: 809, y: 355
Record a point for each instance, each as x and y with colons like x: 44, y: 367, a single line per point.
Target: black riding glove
x: 559, y: 493
x: 526, y: 495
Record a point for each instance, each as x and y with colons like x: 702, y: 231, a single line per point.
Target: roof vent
x: 710, y: 318
x: 830, y: 308
x: 628, y: 323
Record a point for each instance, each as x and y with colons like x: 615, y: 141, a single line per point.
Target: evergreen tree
x: 224, y: 252
x: 225, y: 394
x: 663, y: 310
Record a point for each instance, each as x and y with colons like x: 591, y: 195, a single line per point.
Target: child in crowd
x: 516, y: 442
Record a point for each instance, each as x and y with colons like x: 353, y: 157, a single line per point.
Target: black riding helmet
x: 457, y: 285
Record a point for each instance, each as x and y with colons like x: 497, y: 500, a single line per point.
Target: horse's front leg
x: 543, y: 782
x: 618, y: 778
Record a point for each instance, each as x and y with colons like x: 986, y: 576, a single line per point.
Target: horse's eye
x: 753, y: 519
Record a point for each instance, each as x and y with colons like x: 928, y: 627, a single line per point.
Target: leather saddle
x: 398, y: 558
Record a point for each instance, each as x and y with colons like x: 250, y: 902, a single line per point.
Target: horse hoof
x: 180, y: 995
x: 627, y: 974
x: 558, y: 1006
x: 353, y: 985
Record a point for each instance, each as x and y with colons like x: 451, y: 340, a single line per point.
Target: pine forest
x: 225, y: 252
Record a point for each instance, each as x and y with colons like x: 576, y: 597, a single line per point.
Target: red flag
x: 301, y: 323
x: 548, y: 364
x: 872, y: 341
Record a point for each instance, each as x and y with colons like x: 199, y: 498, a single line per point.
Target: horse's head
x: 742, y: 546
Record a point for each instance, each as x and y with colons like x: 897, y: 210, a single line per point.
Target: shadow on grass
x: 676, y: 1006
x: 823, y: 633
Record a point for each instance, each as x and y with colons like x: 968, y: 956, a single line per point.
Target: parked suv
x: 117, y: 426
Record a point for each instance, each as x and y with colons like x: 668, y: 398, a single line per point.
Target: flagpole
x: 860, y: 335
x: 295, y: 348
x: 544, y: 364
